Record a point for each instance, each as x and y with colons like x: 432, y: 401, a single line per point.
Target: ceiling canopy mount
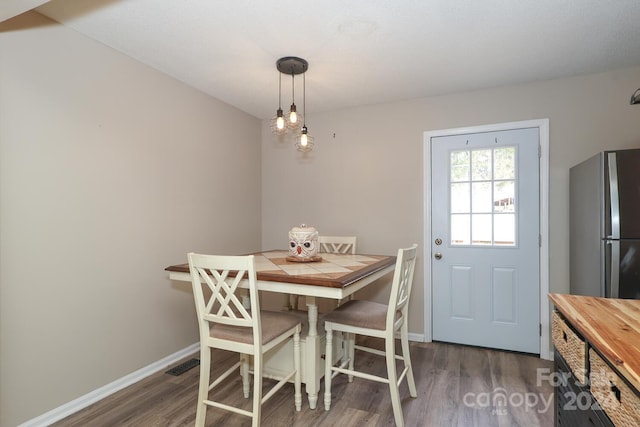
x: 292, y: 65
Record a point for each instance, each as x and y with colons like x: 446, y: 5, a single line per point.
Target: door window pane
x: 460, y: 198
x: 505, y: 163
x: 504, y: 196
x: 460, y: 166
x: 483, y: 196
x: 481, y: 230
x: 460, y: 229
x: 481, y: 163
x: 504, y: 226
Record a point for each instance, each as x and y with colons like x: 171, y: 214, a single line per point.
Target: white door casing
x: 480, y: 293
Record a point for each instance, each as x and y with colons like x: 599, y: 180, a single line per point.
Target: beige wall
x: 109, y: 172
x: 365, y: 175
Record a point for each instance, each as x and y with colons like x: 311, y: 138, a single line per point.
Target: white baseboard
x: 416, y: 337
x: 83, y: 401
x: 420, y: 338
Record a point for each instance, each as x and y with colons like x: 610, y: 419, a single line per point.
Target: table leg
x: 286, y: 302
x: 312, y: 350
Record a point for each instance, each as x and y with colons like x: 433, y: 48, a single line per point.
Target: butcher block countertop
x: 610, y: 325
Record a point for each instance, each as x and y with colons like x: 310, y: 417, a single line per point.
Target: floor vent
x: 183, y: 367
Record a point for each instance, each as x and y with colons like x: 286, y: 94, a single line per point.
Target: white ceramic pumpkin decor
x: 303, y: 244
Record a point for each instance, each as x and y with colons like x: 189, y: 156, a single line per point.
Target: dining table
x: 332, y: 276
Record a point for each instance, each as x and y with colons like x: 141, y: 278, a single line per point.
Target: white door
x: 485, y: 239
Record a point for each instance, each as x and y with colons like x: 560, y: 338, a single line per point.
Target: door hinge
x: 539, y: 151
x: 540, y: 329
x: 539, y: 240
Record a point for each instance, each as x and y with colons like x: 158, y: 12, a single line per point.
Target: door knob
x: 437, y: 255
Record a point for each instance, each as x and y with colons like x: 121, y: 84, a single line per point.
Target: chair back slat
x: 337, y: 244
x: 402, y: 283
x: 216, y: 281
x: 224, y: 294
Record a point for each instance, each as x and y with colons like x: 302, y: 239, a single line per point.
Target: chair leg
x: 406, y: 356
x: 351, y: 342
x: 328, y: 363
x: 203, y: 388
x: 244, y: 373
x: 297, y: 378
x: 257, y: 389
x: 345, y: 348
x: 390, y: 350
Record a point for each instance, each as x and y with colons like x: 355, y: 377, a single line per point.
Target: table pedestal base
x: 312, y: 346
x: 280, y: 361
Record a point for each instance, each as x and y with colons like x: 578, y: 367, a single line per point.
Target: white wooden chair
x: 226, y: 324
x: 337, y: 244
x: 376, y: 320
x: 332, y: 245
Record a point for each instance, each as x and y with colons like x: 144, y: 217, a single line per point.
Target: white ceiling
x: 359, y: 51
x: 11, y: 8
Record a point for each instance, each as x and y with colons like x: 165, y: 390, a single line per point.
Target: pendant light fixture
x: 304, y: 141
x: 291, y: 122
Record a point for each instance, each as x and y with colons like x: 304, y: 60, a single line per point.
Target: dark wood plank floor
x: 457, y: 386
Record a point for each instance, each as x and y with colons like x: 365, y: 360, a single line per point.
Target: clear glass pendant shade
x: 278, y: 123
x: 294, y: 119
x: 304, y: 141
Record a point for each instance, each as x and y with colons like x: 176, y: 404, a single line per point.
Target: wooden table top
x: 611, y: 325
x: 334, y: 270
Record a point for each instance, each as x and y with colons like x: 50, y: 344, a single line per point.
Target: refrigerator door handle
x: 615, y: 269
x: 614, y: 197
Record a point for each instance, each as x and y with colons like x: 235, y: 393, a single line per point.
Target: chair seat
x: 274, y: 324
x: 363, y: 314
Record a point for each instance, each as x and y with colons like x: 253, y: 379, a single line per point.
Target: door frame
x: 543, y: 132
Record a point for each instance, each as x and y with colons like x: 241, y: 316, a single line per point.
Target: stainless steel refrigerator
x: 605, y: 225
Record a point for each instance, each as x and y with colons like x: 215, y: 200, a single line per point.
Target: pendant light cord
x: 280, y: 91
